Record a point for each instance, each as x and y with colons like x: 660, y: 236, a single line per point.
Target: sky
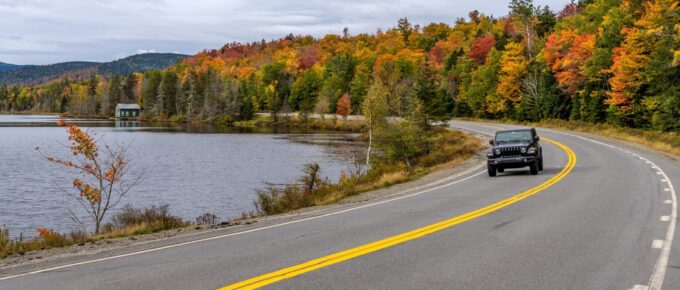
x: 48, y: 31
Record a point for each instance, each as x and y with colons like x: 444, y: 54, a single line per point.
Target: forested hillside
x: 610, y: 61
x: 40, y: 74
x: 8, y: 66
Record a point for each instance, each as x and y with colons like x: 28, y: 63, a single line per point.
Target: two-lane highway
x: 600, y: 216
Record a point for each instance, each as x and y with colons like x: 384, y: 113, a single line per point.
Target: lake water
x: 193, y: 169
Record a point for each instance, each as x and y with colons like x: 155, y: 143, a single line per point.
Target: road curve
x: 606, y: 223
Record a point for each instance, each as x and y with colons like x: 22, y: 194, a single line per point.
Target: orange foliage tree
x: 567, y: 52
x: 344, y: 107
x: 103, y: 180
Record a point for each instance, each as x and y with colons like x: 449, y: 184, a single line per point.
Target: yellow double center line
x: 345, y: 255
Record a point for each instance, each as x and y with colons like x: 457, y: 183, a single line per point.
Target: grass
x: 129, y: 221
x: 328, y: 124
x: 450, y: 148
x: 668, y: 142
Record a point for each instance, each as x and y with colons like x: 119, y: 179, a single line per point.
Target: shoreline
x: 435, y: 175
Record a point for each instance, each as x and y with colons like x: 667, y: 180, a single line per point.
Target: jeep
x: 515, y: 149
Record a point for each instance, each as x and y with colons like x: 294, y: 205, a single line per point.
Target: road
x: 601, y: 216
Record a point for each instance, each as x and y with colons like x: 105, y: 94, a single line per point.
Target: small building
x: 127, y: 111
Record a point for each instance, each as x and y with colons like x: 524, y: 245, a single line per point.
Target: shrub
x: 207, y: 219
x: 145, y: 220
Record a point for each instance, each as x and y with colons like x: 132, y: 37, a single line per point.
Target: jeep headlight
x: 498, y: 151
x: 523, y: 150
x: 531, y: 151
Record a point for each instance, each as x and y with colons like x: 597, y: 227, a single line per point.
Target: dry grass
x: 329, y: 124
x: 667, y: 142
x: 449, y: 148
x: 391, y: 178
x: 129, y: 221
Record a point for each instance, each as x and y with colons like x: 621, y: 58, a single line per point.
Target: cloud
x: 44, y: 31
x: 142, y: 51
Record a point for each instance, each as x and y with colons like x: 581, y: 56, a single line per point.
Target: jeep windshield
x: 513, y: 137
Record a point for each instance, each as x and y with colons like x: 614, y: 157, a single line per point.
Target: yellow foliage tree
x: 513, y: 69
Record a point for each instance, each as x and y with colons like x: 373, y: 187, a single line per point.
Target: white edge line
x: 659, y: 273
x: 250, y: 231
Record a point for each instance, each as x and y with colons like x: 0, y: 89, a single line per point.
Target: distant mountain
x: 37, y: 74
x: 7, y: 66
x: 139, y: 62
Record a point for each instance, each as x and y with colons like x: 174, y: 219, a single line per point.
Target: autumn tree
x: 513, y: 70
x: 344, y: 106
x: 375, y: 110
x: 481, y: 48
x: 525, y: 11
x: 567, y: 52
x: 104, y: 174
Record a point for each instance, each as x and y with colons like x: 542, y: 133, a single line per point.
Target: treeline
x: 78, y: 70
x: 612, y: 61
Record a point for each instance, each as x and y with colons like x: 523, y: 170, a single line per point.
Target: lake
x: 194, y: 169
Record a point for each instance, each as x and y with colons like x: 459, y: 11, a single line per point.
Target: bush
x: 144, y: 220
x: 448, y: 147
x: 207, y: 219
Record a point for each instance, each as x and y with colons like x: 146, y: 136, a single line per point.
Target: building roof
x: 128, y: 106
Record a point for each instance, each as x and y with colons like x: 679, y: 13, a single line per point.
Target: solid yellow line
x: 345, y: 255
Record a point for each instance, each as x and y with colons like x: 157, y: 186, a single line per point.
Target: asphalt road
x: 606, y: 223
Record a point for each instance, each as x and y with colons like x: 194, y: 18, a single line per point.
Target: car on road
x: 515, y: 149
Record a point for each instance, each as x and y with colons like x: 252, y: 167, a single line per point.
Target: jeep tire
x: 533, y: 168
x: 491, y: 169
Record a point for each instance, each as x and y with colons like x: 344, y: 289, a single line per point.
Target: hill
x: 597, y: 61
x: 7, y: 66
x: 37, y: 74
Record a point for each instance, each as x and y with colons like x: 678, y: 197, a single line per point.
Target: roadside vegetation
x: 447, y: 149
x: 104, y: 181
x: 295, y: 121
x: 667, y: 142
x: 129, y: 221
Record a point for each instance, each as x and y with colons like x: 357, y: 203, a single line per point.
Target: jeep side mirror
x: 491, y: 142
x: 536, y: 138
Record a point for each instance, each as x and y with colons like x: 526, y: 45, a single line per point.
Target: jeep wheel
x: 540, y: 164
x: 492, y: 170
x: 533, y: 168
x: 500, y: 170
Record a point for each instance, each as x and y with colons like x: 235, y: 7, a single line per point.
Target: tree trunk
x: 368, y: 150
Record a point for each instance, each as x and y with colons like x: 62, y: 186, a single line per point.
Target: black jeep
x: 515, y: 149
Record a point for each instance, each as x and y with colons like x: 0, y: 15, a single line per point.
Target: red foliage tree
x: 570, y: 9
x: 344, y: 106
x: 481, y: 48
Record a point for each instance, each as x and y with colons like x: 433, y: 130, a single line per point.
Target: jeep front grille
x: 511, y: 151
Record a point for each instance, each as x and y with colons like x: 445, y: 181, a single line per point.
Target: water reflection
x: 193, y: 167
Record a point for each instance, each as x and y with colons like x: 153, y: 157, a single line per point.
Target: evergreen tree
x: 115, y: 93
x: 426, y: 93
x: 128, y: 91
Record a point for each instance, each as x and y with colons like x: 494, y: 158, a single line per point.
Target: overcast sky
x: 50, y: 31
